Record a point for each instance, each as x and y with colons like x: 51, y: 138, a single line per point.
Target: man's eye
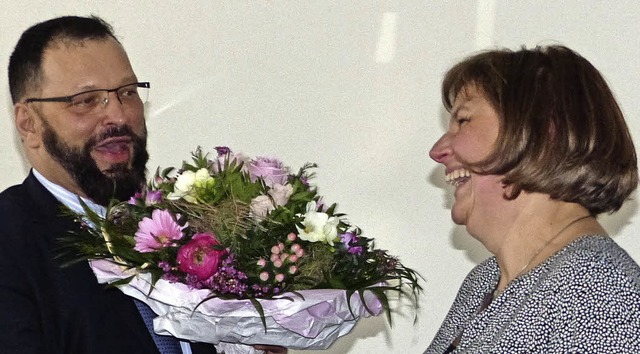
x: 128, y: 92
x: 463, y: 120
x: 86, y: 100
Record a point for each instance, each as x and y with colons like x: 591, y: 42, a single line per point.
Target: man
x: 79, y: 113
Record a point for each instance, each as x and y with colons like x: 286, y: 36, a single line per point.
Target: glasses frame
x: 69, y: 99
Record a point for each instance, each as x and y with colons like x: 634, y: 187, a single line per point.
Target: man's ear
x: 27, y: 125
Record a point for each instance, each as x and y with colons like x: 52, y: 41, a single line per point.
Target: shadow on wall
x: 614, y: 223
x: 459, y: 237
x: 365, y: 328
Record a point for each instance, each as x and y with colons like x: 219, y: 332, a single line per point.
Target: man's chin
x: 106, y: 161
x: 114, y: 169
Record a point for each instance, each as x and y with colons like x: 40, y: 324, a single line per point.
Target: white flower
x: 185, y: 185
x: 202, y: 177
x: 281, y: 194
x: 318, y: 227
x: 261, y: 206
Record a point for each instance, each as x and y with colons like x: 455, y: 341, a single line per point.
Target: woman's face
x: 473, y: 130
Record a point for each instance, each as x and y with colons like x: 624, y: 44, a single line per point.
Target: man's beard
x: 120, y: 182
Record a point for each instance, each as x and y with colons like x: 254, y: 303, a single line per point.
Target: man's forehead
x: 84, y: 63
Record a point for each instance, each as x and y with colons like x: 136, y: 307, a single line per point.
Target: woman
x: 537, y: 148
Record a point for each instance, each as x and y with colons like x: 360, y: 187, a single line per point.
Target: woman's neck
x: 535, y: 230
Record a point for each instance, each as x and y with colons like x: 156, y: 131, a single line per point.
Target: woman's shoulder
x: 482, y: 278
x: 595, y: 263
x: 597, y: 252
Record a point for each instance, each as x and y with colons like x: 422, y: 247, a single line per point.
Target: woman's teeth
x: 457, y: 177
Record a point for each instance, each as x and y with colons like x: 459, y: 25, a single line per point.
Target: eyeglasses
x: 130, y: 95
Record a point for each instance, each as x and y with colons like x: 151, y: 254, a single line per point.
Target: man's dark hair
x: 25, y: 63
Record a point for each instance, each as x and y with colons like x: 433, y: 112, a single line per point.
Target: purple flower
x: 222, y: 150
x: 165, y: 266
x: 157, y: 232
x: 134, y: 199
x: 170, y: 277
x: 226, y: 156
x: 272, y: 171
x: 350, y: 240
x: 153, y: 197
x: 199, y: 257
x: 150, y: 198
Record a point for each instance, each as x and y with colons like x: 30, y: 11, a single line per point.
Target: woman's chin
x: 458, y: 217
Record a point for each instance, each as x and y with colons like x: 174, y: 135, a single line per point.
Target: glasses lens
x: 87, y: 101
x: 133, y: 94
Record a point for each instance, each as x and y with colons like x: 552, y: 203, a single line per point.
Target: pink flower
x: 200, y: 257
x: 261, y: 206
x: 272, y: 171
x: 281, y: 194
x: 157, y: 232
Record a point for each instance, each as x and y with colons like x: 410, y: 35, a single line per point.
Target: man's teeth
x: 456, y: 177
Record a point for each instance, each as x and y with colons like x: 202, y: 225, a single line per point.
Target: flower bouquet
x: 236, y: 250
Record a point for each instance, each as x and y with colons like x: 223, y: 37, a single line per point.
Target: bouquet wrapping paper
x: 312, y: 322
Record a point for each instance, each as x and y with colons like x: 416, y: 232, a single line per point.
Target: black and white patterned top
x: 583, y: 299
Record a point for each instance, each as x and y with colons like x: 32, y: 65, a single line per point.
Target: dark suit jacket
x: 47, y: 309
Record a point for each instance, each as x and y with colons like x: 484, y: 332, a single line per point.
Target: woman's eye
x: 462, y: 120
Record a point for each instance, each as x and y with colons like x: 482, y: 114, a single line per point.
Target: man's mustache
x: 111, y: 132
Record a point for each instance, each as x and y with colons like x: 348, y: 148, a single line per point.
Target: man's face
x: 101, y: 154
x: 122, y: 179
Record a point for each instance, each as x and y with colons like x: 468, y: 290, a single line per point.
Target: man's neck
x: 69, y: 199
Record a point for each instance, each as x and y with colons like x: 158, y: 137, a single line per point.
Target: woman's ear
x: 27, y: 125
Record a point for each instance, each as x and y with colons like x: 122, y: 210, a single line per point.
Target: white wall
x: 351, y: 85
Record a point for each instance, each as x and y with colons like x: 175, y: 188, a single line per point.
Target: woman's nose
x: 441, y: 149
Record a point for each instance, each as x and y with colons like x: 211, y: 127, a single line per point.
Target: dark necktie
x: 166, y: 344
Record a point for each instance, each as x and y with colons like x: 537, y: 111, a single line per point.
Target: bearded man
x: 79, y: 113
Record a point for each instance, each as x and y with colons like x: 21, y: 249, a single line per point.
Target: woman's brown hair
x: 561, y: 130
